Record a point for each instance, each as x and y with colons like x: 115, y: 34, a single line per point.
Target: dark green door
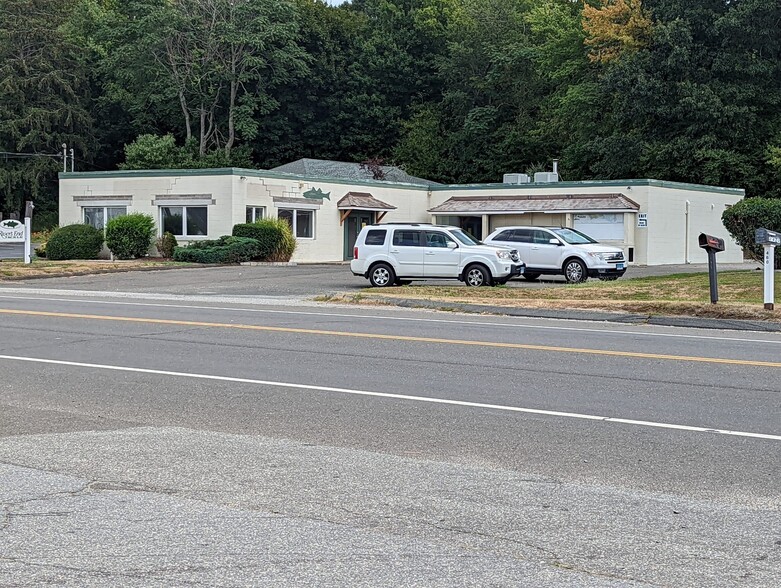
x: 352, y: 226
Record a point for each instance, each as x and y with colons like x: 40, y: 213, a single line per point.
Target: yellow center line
x: 494, y: 344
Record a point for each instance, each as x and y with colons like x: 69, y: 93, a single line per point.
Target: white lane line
x: 464, y: 403
x: 401, y: 318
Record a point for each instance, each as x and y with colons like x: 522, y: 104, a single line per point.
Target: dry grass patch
x: 17, y: 270
x: 740, y: 296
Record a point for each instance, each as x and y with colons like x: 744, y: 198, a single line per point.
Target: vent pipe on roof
x: 556, y: 166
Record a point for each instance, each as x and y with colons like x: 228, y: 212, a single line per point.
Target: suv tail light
x: 355, y: 252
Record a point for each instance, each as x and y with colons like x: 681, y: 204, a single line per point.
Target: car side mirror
x: 452, y: 245
x: 554, y: 242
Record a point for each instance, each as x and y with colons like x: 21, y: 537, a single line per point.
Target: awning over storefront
x: 520, y: 204
x: 362, y: 201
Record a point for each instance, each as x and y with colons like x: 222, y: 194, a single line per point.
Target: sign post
x: 712, y: 245
x: 769, y: 240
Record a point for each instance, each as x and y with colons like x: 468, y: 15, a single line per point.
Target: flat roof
x: 258, y: 173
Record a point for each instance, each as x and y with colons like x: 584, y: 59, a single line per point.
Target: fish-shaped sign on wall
x: 317, y: 194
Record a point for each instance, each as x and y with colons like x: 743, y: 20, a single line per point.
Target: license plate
x: 619, y: 266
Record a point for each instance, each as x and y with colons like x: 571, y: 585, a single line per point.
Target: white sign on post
x: 769, y: 240
x: 642, y: 220
x: 14, y: 231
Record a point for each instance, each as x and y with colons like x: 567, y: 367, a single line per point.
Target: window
x: 464, y: 237
x: 184, y: 221
x: 506, y: 236
x: 301, y: 221
x: 436, y: 240
x: 255, y: 213
x: 542, y: 237
x: 406, y: 238
x: 98, y: 216
x: 574, y: 237
x: 523, y: 235
x: 375, y: 237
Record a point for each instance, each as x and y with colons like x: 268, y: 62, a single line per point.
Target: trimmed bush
x: 130, y: 235
x: 274, y: 235
x: 74, y: 242
x: 223, y: 250
x: 166, y: 245
x: 744, y: 218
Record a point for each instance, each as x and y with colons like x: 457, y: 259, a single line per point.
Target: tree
x: 43, y: 100
x: 216, y: 61
x: 617, y: 26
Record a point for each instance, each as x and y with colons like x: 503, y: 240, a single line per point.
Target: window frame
x: 419, y: 233
x: 104, y: 212
x: 254, y: 215
x: 184, y: 207
x: 294, y: 225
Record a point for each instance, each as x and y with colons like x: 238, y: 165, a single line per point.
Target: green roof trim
x: 257, y: 173
x: 234, y: 171
x: 594, y: 184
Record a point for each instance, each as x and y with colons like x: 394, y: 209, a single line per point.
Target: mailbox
x: 711, y: 243
x: 765, y: 237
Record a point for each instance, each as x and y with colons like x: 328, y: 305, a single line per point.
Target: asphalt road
x: 218, y: 441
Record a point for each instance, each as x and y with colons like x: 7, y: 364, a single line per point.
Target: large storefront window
x: 184, y: 221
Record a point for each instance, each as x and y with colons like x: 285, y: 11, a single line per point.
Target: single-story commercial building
x: 327, y: 203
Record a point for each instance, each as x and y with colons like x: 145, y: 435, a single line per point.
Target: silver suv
x: 396, y: 254
x: 560, y: 250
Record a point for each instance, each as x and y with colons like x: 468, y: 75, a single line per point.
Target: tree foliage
x: 453, y: 90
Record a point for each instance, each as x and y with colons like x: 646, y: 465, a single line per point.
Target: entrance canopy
x: 520, y: 204
x: 362, y: 201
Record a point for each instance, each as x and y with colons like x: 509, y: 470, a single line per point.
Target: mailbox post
x: 712, y: 245
x: 769, y: 240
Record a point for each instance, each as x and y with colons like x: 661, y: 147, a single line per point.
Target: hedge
x: 130, y: 235
x: 223, y: 250
x: 74, y: 242
x: 274, y: 235
x: 744, y: 218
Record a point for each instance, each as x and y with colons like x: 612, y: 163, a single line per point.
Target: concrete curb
x: 112, y: 270
x: 589, y: 315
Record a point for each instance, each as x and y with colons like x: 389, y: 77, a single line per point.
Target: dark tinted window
x: 523, y: 235
x: 375, y: 237
x: 506, y: 236
x: 407, y: 238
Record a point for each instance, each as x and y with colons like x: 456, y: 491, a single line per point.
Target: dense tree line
x: 452, y: 90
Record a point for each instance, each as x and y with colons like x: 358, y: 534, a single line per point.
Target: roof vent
x: 546, y: 177
x: 516, y: 179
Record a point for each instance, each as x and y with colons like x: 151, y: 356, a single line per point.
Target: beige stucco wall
x: 662, y: 242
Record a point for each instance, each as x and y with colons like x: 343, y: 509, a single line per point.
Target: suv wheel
x: 381, y: 275
x: 477, y: 275
x: 575, y: 271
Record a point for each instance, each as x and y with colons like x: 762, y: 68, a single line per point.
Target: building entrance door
x: 352, y: 226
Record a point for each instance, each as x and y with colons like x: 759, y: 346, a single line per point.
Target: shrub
x: 166, y: 245
x: 274, y: 235
x: 75, y: 242
x: 42, y: 237
x: 130, y: 235
x: 223, y: 250
x: 748, y: 215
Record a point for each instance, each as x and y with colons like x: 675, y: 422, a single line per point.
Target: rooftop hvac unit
x: 516, y: 179
x: 546, y: 177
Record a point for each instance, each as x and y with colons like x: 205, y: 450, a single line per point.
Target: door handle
x: 535, y: 248
x: 430, y: 253
x: 394, y: 250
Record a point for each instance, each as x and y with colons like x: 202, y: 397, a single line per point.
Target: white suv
x: 563, y: 251
x: 395, y: 254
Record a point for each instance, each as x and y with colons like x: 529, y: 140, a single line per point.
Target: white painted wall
x: 663, y: 242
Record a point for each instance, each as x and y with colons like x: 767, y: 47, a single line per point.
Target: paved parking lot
x: 281, y: 281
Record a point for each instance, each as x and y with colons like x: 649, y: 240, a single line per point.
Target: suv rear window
x: 406, y: 238
x: 375, y: 237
